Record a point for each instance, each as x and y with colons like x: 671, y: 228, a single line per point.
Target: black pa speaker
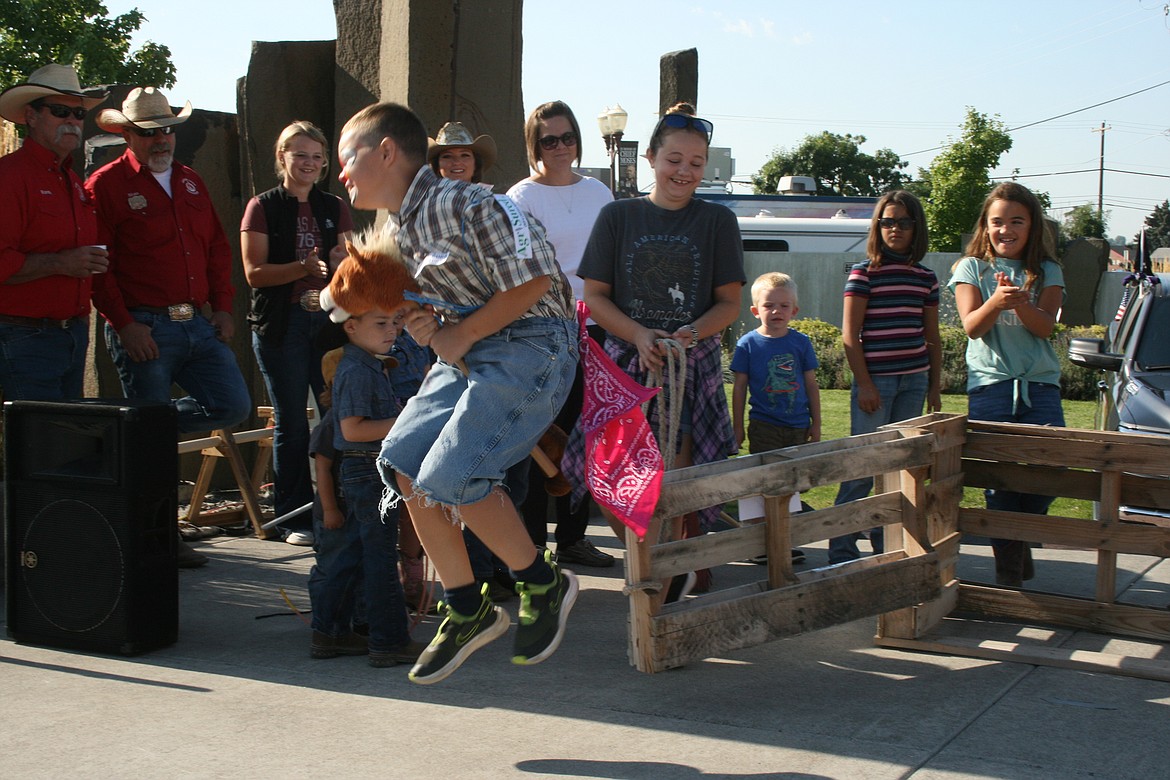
x: 90, y: 507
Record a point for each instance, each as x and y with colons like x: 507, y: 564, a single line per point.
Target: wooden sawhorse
x: 223, y: 443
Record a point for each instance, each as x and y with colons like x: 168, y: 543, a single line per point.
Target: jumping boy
x: 508, y: 318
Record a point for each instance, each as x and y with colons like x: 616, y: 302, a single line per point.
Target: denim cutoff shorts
x: 458, y: 436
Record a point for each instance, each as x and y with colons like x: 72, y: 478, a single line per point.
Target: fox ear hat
x: 373, y: 275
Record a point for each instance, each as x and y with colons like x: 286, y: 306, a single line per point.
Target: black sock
x: 466, y: 599
x: 536, y: 573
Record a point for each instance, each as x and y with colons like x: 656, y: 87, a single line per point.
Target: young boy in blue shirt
x: 777, y: 367
x: 507, y: 354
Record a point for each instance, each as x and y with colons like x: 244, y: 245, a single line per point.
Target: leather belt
x: 310, y: 300
x: 368, y: 454
x: 37, y: 322
x: 179, y: 312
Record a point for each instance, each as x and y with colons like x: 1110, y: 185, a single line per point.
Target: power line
x: 1086, y: 108
x: 1146, y: 209
x: 1040, y: 175
x: 1058, y: 116
x: 1140, y: 173
x: 1085, y: 170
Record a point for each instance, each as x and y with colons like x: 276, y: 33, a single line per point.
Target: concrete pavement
x: 238, y: 696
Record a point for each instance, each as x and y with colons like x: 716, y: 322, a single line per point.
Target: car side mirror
x: 1090, y: 353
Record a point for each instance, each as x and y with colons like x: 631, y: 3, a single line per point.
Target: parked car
x: 1136, y: 362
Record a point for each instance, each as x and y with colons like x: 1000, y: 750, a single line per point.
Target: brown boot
x: 325, y: 646
x: 413, y: 580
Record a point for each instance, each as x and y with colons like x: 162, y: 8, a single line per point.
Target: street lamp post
x: 612, y: 123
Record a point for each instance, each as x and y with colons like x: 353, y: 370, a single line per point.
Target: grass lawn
x: 835, y: 424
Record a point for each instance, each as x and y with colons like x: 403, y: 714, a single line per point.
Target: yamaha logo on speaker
x: 28, y: 559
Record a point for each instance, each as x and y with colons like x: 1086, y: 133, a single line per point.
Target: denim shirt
x: 361, y: 388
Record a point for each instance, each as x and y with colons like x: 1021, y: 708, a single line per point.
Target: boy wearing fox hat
x: 365, y: 409
x: 508, y: 318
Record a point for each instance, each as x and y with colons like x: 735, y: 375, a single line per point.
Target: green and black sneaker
x: 544, y: 610
x: 459, y: 636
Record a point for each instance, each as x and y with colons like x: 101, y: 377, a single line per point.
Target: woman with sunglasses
x: 292, y: 237
x: 669, y: 266
x: 566, y: 204
x: 890, y: 330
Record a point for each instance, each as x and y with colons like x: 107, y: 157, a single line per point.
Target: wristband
x: 694, y: 333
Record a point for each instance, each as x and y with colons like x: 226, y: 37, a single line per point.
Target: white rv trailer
x: 799, y: 223
x: 795, y: 234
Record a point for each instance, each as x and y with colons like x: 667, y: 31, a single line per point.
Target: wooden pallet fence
x: 786, y: 603
x: 1112, y: 469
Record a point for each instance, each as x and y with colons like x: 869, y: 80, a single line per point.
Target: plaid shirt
x: 464, y: 245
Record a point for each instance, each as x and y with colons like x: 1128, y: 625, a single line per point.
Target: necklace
x: 568, y: 205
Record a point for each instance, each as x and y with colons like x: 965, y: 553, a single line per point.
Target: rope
x: 670, y: 400
x: 648, y: 587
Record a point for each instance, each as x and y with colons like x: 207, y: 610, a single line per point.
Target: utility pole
x: 1101, y: 173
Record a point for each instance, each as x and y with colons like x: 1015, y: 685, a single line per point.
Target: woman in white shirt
x: 566, y: 204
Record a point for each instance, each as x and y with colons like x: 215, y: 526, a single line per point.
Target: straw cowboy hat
x: 52, y: 79
x: 144, y: 107
x: 454, y: 134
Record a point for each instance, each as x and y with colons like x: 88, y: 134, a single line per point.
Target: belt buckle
x: 180, y: 312
x: 311, y: 300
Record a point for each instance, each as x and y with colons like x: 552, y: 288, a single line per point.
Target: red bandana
x: 623, y: 467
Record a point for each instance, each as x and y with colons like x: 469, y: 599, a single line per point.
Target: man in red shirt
x: 48, y: 234
x: 169, y: 258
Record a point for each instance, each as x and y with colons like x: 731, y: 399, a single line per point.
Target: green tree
x: 957, y: 181
x: 1083, y: 222
x: 1157, y: 227
x: 838, y: 165
x: 82, y: 34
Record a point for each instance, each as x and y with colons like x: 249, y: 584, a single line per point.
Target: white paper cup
x: 103, y: 248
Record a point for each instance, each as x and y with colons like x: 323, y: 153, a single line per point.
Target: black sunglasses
x: 64, y: 112
x: 151, y: 132
x: 549, y: 142
x: 684, y: 121
x: 905, y: 223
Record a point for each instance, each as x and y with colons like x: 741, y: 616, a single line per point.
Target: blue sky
x: 772, y: 72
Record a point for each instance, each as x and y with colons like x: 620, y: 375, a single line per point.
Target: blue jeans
x: 291, y: 366
x: 191, y: 356
x: 1001, y: 402
x: 377, y: 556
x: 43, y: 364
x: 335, y: 577
x: 902, y: 398
x: 457, y: 438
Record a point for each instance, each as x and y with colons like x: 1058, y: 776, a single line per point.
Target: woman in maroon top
x: 293, y: 237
